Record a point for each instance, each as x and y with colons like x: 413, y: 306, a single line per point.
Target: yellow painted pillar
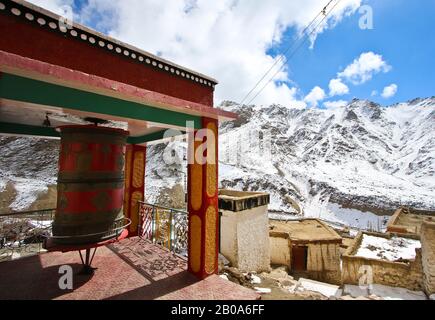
x: 203, y: 199
x: 135, y: 161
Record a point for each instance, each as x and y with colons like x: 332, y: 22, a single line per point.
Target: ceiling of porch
x: 25, y: 118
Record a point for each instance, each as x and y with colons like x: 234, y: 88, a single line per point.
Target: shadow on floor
x: 158, y: 288
x: 32, y: 281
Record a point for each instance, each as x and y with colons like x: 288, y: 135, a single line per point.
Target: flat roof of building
x: 404, y: 221
x: 234, y: 200
x: 384, y: 246
x: 305, y: 230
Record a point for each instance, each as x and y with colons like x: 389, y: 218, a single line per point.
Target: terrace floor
x: 130, y: 269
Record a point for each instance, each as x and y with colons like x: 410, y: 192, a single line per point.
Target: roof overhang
x: 40, y: 12
x: 45, y: 72
x: 31, y: 89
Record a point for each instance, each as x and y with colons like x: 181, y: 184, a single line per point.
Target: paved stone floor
x: 130, y: 269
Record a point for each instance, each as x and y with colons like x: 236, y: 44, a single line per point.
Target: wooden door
x: 299, y: 258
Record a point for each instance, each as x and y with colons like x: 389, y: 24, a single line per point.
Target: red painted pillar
x: 203, y: 200
x: 135, y: 161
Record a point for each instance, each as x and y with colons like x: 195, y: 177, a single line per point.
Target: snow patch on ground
x: 387, y: 249
x: 385, y: 292
x: 40, y: 223
x: 27, y: 193
x: 353, y: 218
x: 396, y: 293
x: 224, y: 276
x: 339, y: 217
x: 326, y: 289
x: 262, y: 290
x: 255, y: 279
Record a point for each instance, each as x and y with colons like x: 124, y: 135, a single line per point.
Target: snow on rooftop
x: 391, y: 249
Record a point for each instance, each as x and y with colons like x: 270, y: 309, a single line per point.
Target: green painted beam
x: 24, y: 129
x: 38, y: 92
x: 29, y: 130
x: 150, y: 137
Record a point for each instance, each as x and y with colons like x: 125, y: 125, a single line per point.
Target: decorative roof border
x: 46, y: 19
x: 43, y: 71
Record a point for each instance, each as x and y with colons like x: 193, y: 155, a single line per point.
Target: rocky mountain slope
x: 28, y: 173
x: 362, y: 156
x: 349, y: 165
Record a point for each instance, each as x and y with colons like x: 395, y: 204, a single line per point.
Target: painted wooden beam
x: 18, y: 88
x: 28, y: 130
x: 39, y: 70
x: 152, y: 137
x: 39, y: 131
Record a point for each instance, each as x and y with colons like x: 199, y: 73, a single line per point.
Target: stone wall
x: 280, y: 253
x: 245, y: 239
x: 323, y: 262
x: 228, y: 237
x: 392, y: 225
x: 397, y: 274
x: 428, y: 256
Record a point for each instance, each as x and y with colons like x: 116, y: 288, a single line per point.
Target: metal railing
x: 164, y: 226
x: 23, y: 233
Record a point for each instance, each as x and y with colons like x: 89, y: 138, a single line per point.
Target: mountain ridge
x: 396, y: 142
x: 360, y: 161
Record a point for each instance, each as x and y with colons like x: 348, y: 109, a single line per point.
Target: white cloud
x: 337, y: 88
x: 364, y: 67
x: 53, y: 5
x: 335, y: 104
x: 226, y: 39
x: 317, y: 94
x: 389, y: 91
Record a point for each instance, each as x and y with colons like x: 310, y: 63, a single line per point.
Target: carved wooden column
x: 135, y: 161
x: 203, y: 200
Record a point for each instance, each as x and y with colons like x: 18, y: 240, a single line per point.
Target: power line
x: 282, y: 56
x: 326, y: 14
x: 305, y: 37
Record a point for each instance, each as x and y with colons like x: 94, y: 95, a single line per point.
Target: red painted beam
x: 29, y: 39
x: 40, y: 70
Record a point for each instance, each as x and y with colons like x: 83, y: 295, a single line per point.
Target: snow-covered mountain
x: 362, y: 156
x: 349, y: 165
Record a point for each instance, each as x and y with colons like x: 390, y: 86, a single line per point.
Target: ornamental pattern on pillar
x: 202, y: 201
x: 135, y: 161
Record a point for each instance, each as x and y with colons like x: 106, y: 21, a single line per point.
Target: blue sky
x: 404, y: 34
x: 237, y: 41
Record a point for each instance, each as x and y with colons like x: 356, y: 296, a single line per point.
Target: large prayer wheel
x: 90, y: 189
